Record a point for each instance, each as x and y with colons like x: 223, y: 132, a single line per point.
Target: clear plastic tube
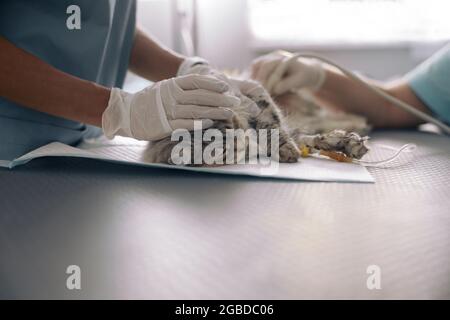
x: 409, y: 147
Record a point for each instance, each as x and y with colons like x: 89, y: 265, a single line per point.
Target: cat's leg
x: 263, y: 113
x: 270, y: 118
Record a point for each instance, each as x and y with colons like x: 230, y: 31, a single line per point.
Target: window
x: 348, y: 22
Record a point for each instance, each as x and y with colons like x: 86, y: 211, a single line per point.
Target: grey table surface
x: 161, y: 234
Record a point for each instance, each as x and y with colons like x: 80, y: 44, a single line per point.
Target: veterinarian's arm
x: 149, y: 114
x: 151, y: 60
x: 31, y: 82
x: 347, y: 95
x: 334, y: 89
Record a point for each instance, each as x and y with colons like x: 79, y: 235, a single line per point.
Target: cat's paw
x: 289, y: 153
x: 349, y: 143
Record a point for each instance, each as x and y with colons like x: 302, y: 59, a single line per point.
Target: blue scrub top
x: 98, y: 52
x: 430, y: 81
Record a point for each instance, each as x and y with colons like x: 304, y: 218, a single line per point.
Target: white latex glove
x: 196, y: 65
x: 251, y: 91
x: 238, y: 87
x: 251, y: 88
x: 298, y: 74
x: 190, y: 63
x: 156, y: 111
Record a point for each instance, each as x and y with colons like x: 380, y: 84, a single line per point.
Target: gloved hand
x: 299, y: 73
x: 196, y: 65
x: 244, y: 89
x: 191, y: 62
x: 156, y: 111
x: 238, y: 87
x: 251, y: 91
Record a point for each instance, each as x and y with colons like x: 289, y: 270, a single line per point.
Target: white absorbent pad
x: 132, y: 152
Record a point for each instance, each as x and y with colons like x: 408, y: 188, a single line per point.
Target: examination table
x: 165, y: 234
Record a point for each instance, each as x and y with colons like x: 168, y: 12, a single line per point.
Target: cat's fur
x: 301, y: 122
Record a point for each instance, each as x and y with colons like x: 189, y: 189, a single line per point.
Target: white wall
x: 223, y: 38
x: 155, y: 17
x: 223, y: 33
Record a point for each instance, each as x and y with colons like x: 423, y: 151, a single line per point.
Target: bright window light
x: 340, y: 22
